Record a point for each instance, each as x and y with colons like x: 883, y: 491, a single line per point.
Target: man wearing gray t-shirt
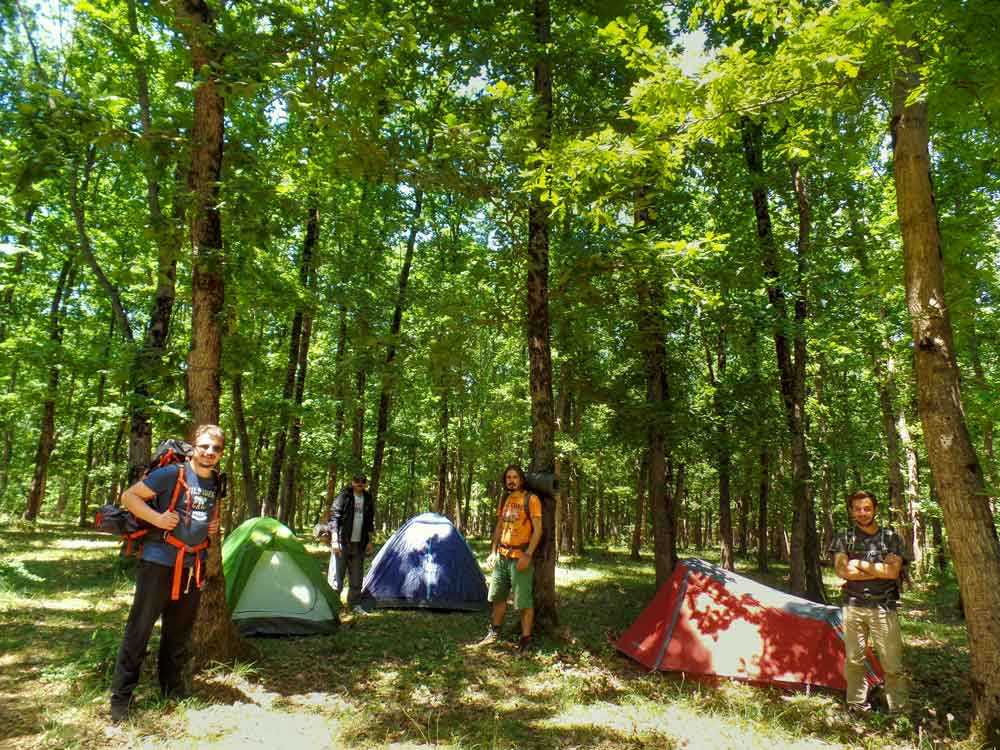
x: 352, y: 519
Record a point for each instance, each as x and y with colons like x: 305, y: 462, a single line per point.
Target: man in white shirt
x: 352, y: 519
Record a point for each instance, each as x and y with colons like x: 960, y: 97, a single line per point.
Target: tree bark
x: 539, y: 328
x: 196, y: 21
x: 957, y: 475
x: 214, y: 636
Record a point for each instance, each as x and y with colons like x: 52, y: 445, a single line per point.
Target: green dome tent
x: 273, y: 586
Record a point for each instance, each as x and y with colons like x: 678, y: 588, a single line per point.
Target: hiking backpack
x: 114, y: 519
x: 904, y: 571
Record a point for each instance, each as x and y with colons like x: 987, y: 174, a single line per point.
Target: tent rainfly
x: 273, y: 586
x: 427, y: 563
x: 711, y: 622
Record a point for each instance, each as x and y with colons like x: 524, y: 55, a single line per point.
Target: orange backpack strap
x: 181, y: 547
x: 180, y: 484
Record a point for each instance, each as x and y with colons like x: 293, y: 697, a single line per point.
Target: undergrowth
x: 406, y: 679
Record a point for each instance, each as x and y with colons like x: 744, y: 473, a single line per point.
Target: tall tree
x: 214, y: 633
x: 805, y: 575
x: 538, y: 325
x: 958, y: 479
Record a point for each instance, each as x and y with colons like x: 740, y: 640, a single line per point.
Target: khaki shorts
x: 506, y: 576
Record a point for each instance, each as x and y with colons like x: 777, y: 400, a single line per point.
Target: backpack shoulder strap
x: 180, y: 484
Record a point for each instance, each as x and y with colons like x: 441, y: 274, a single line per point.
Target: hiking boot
x: 492, y: 636
x: 525, y: 644
x: 176, y: 693
x: 119, y: 712
x: 859, y: 709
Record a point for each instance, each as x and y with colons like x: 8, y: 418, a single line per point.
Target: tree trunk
x: 47, y: 431
x: 762, y: 519
x: 288, y: 490
x: 246, y: 465
x: 214, y: 635
x: 87, y: 484
x: 298, y: 368
x: 744, y: 537
x: 652, y: 338
x: 955, y: 467
x: 442, y: 473
x: 806, y: 579
x: 389, y: 373
x: 885, y: 383
x: 360, y: 386
x: 149, y: 355
x: 912, y: 493
x: 281, y: 433
x: 716, y: 376
x: 411, y: 482
x: 339, y: 416
x: 24, y: 240
x: 640, y: 505
x: 538, y: 326
x: 983, y: 386
x: 937, y: 536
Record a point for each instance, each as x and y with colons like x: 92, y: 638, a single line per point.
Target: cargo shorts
x: 506, y: 576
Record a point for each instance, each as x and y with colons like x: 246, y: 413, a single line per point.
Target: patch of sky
x: 474, y: 87
x: 694, y: 56
x: 276, y: 112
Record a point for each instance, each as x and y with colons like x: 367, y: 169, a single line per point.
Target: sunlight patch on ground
x: 102, y: 544
x: 74, y: 604
x: 685, y: 727
x: 49, y: 553
x: 239, y: 726
x: 576, y: 576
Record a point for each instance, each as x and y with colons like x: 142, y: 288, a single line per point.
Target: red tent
x: 708, y: 621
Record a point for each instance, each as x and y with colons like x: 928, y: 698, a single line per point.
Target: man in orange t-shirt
x: 517, y: 535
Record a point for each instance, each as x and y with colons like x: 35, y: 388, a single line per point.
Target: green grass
x: 414, y: 679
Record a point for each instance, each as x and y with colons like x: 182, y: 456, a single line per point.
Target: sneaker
x: 492, y: 636
x: 525, y: 644
x: 859, y: 709
x: 357, y: 609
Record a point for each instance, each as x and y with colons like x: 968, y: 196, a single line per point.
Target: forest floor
x: 413, y: 679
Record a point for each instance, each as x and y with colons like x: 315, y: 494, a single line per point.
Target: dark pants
x: 152, y: 599
x: 351, y: 561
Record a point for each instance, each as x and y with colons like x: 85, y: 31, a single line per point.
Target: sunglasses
x: 210, y: 448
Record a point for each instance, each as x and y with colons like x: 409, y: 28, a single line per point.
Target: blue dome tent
x: 427, y: 563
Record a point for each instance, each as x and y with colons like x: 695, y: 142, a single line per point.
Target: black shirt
x: 874, y: 548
